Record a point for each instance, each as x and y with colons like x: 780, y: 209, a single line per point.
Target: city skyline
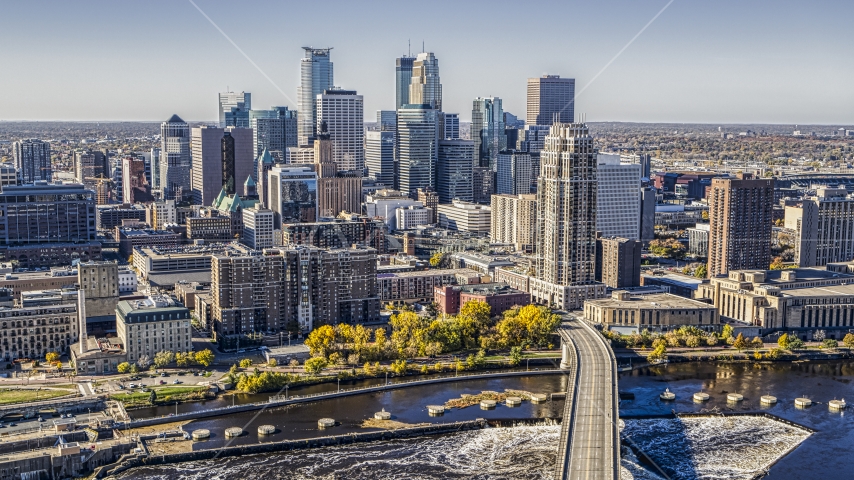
x: 694, y: 62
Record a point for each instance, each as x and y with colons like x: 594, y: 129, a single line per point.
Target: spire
x: 265, y: 158
x: 250, y: 182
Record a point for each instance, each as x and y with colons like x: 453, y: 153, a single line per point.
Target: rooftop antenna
x: 422, y: 47
x: 409, y: 47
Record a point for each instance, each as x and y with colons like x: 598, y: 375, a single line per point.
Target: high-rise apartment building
x: 402, y: 79
x: 293, y: 194
x: 418, y: 138
x: 155, y: 169
x: 566, y: 218
x: 248, y: 293
x: 454, y: 170
x: 234, y: 109
x: 379, y: 156
x: 258, y: 227
x: 824, y: 227
x: 514, y: 221
x: 315, y: 76
x: 531, y: 139
x: 740, y: 223
x: 618, y: 201
x: 425, y: 87
x: 487, y: 130
x: 222, y: 157
x: 89, y: 165
x: 32, y: 159
x: 483, y: 184
x: 550, y: 99
x: 342, y: 112
x: 274, y: 129
x: 175, y: 160
x: 513, y: 176
x: 618, y: 261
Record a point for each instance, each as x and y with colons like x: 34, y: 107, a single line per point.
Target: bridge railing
x: 566, y: 429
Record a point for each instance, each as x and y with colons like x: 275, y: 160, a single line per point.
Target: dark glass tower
x: 228, y: 163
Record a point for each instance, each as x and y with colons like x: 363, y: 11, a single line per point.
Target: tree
x: 399, y: 367
x: 134, y: 368
x: 163, y: 358
x: 294, y: 363
x: 320, y: 341
x: 726, y: 332
x: 205, y: 357
x: 670, y: 248
x: 757, y: 342
x: 774, y: 354
x: 712, y: 340
x: 152, y: 399
x: 701, y: 271
x: 272, y: 363
x: 740, y: 343
x: 659, y: 351
x: 436, y: 259
x: 433, y: 309
x: 515, y: 356
x: 830, y: 343
x: 783, y: 341
x: 245, y: 363
x: 123, y: 367
x: 692, y: 341
x: 705, y: 215
x: 314, y: 365
x: 848, y: 340
x: 819, y: 335
x: 51, y: 357
x: 795, y: 343
x: 144, y: 361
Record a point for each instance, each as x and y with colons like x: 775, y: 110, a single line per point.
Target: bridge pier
x: 565, y: 354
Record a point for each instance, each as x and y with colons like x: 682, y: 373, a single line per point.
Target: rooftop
x: 429, y: 273
x: 663, y: 301
x: 834, y: 290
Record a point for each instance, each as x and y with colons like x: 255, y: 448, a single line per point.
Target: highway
x: 590, y: 447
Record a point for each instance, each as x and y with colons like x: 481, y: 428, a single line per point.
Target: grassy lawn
x: 8, y: 395
x: 174, y: 392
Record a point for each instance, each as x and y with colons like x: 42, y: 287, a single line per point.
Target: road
x: 591, y: 449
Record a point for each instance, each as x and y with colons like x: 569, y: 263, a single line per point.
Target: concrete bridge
x: 590, y: 438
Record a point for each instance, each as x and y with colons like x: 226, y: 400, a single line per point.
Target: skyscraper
x: 155, y: 169
x: 514, y: 173
x: 274, y: 129
x: 315, y: 77
x: 387, y: 120
x: 222, y: 158
x: 89, y: 165
x: 487, y: 130
x: 566, y: 217
x: 234, y: 109
x: 454, y: 171
x: 293, y: 194
x: 618, y: 207
x: 514, y: 220
x: 379, y: 156
x: 418, y: 138
x: 740, y: 221
x: 550, y: 99
x: 425, y: 87
x: 343, y: 113
x: 32, y: 159
x: 451, y: 126
x: 175, y: 161
x: 402, y: 77
x: 135, y: 186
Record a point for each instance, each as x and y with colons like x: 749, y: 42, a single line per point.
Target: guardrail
x: 565, y: 441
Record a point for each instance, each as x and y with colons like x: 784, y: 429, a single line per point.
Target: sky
x: 727, y: 61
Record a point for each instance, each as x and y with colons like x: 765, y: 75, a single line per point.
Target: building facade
x: 175, y: 159
x: 618, y: 202
x: 316, y: 75
x: 514, y: 221
x: 658, y: 312
x: 152, y: 325
x: 379, y: 156
x: 618, y: 261
x: 343, y: 113
x: 222, y: 158
x: 425, y: 87
x: 454, y: 170
x: 550, y: 99
x: 465, y: 217
x: 45, y: 213
x: 513, y: 175
x: 32, y: 159
x: 487, y: 131
x: 293, y: 194
x: 418, y: 142
x: 823, y: 226
x: 234, y: 109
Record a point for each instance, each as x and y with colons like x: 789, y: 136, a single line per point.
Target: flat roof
x: 834, y: 290
x: 652, y: 301
x: 429, y: 273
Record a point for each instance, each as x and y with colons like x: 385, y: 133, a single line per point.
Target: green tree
x: 314, y: 365
x: 740, y: 343
x: 205, y: 357
x: 320, y: 341
x: 848, y: 340
x: 796, y: 343
x: 245, y: 363
x: 701, y: 271
x: 515, y: 356
x: 163, y: 358
x: 830, y: 343
x: 726, y: 332
x: 123, y: 367
x: 783, y: 341
x: 152, y: 399
x: 134, y: 368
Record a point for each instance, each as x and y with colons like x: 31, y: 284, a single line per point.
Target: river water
x: 528, y: 452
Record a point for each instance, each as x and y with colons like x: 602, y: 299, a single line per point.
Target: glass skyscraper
x: 418, y: 138
x: 379, y: 156
x: 487, y: 131
x: 425, y: 87
x: 315, y: 77
x: 402, y: 77
x: 175, y: 160
x: 274, y: 129
x: 234, y: 109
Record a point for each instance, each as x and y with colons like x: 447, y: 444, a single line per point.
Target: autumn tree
x: 740, y: 343
x: 320, y: 341
x: 314, y: 365
x: 848, y: 340
x: 163, y: 358
x: 783, y: 341
x: 205, y: 357
x: 245, y: 363
x: 123, y: 367
x: 51, y: 357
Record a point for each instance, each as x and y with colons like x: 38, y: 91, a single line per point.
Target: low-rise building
x: 168, y: 266
x: 659, y: 312
x: 55, y: 278
x: 465, y: 217
x: 258, y: 227
x: 618, y: 262
x: 31, y: 332
x: 415, y: 287
x: 130, y: 238
x: 698, y: 239
x: 127, y: 280
x: 499, y: 296
x: 676, y: 283
x: 108, y: 217
x: 153, y: 324
x: 101, y: 356
x: 413, y: 216
x: 338, y: 233
x: 210, y: 226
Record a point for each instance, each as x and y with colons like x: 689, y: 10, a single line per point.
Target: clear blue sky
x: 726, y: 61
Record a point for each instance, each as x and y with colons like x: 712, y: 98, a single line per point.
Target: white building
x: 379, y: 156
x: 299, y: 155
x: 127, y: 280
x: 385, y: 204
x: 823, y: 226
x: 152, y: 325
x: 465, y: 217
x: 514, y: 220
x: 175, y: 162
x: 258, y: 227
x: 343, y: 113
x: 413, y: 216
x: 618, y: 199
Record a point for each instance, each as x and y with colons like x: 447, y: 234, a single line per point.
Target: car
x: 241, y: 351
x: 2, y: 426
x: 121, y: 387
x: 162, y: 382
x: 13, y: 424
x: 132, y: 385
x: 41, y: 419
x: 176, y: 381
x: 164, y: 374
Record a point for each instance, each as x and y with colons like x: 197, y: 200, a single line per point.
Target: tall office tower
x: 566, y: 207
x: 824, y: 227
x: 32, y: 159
x: 274, y: 129
x: 550, y: 99
x: 454, y: 170
x: 514, y: 220
x: 89, y: 165
x: 387, y: 120
x: 618, y: 208
x: 343, y: 113
x: 740, y: 221
x: 618, y: 261
x: 234, y: 109
x: 483, y: 184
x: 135, y: 187
x: 337, y: 190
x: 647, y: 216
x: 402, y: 79
x: 258, y: 227
x: 425, y: 87
x: 265, y: 164
x: 451, y: 126
x: 379, y: 156
x: 531, y: 139
x: 175, y: 162
x: 487, y: 130
x: 222, y: 158
x: 293, y: 194
x: 155, y: 169
x: 418, y: 138
x: 315, y: 77
x: 514, y: 173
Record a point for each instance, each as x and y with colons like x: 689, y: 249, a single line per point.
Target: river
x: 824, y: 455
